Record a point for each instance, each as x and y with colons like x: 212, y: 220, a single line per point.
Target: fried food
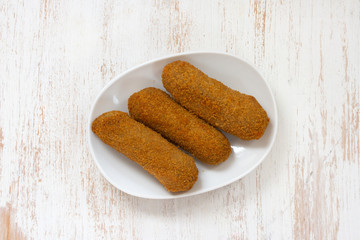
x: 236, y: 113
x: 169, y: 165
x: 155, y: 108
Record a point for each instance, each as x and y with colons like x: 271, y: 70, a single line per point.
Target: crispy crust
x: 154, y: 108
x: 168, y: 164
x: 236, y: 113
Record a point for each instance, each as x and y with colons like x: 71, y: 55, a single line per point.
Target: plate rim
x: 145, y: 196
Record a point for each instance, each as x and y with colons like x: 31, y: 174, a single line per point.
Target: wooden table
x: 55, y: 57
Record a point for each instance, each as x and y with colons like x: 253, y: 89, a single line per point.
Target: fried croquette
x: 236, y: 113
x: 155, y: 108
x: 169, y: 165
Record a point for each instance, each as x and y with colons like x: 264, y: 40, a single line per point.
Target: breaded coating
x: 169, y: 165
x: 236, y: 113
x: 155, y: 108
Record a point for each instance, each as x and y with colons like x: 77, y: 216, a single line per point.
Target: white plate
x: 129, y: 177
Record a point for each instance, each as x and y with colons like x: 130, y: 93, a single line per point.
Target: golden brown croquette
x: 155, y: 108
x: 169, y: 165
x: 236, y: 113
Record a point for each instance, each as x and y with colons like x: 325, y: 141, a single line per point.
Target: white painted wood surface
x: 55, y: 57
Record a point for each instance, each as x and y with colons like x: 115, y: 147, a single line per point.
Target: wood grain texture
x: 55, y: 57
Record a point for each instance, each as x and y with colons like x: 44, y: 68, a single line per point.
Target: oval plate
x: 129, y: 177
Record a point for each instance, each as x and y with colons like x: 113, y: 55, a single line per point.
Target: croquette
x: 169, y: 165
x: 155, y: 108
x: 227, y: 109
